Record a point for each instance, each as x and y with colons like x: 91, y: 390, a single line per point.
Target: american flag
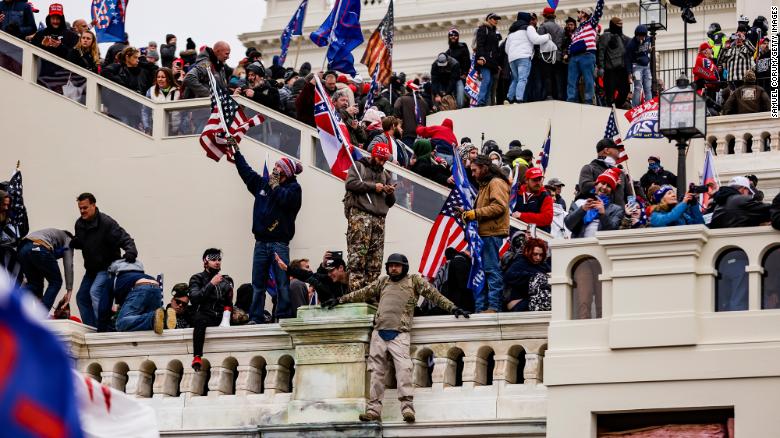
x: 379, y: 50
x: 544, y: 155
x: 472, y: 83
x: 612, y: 132
x: 225, y: 111
x: 372, y: 89
x: 18, y: 212
x: 447, y: 231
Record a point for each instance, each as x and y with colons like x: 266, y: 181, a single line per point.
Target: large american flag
x: 473, y: 83
x: 18, y: 212
x: 612, y: 132
x: 379, y: 50
x: 447, y: 231
x: 225, y: 109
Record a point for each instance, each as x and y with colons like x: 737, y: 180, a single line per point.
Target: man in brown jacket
x: 370, y: 194
x: 749, y: 98
x: 491, y: 211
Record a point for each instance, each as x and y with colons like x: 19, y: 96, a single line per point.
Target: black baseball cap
x: 493, y: 16
x: 332, y: 264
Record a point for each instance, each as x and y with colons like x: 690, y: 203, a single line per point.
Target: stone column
x: 139, y: 383
x: 114, y: 380
x: 505, y: 370
x: 533, y: 366
x: 444, y: 370
x: 474, y: 371
x: 166, y: 383
x: 774, y: 139
x: 330, y: 371
x: 249, y: 380
x: 192, y: 382
x: 221, y: 381
x: 277, y: 379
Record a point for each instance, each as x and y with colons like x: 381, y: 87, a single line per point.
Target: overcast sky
x: 205, y: 21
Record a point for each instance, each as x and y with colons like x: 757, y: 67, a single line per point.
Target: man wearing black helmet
x: 397, y: 294
x: 716, y: 38
x: 211, y: 294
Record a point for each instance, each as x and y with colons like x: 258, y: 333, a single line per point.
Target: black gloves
x: 329, y: 304
x: 458, y: 312
x: 130, y: 258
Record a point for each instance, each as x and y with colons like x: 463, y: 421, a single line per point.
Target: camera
x: 698, y: 189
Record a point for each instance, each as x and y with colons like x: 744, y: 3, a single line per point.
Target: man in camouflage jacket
x: 397, y: 294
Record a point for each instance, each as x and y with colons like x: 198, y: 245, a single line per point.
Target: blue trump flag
x: 37, y: 396
x: 109, y: 19
x: 342, y: 34
x: 294, y: 27
x: 468, y: 196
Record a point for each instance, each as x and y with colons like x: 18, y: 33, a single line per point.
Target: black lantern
x: 682, y: 115
x: 652, y: 13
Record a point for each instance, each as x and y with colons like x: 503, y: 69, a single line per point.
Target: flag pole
x: 219, y: 104
x: 18, y: 163
x: 549, y: 136
x: 297, y: 50
x: 628, y: 171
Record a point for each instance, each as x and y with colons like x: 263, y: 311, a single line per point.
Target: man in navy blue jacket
x: 277, y: 203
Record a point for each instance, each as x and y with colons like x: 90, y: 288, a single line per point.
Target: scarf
x: 593, y: 214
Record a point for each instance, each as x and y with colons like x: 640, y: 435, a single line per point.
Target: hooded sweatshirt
x: 442, y: 136
x: 19, y: 19
x: 67, y: 37
x: 522, y: 38
x: 637, y: 52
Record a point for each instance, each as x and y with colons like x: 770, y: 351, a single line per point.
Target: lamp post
x: 652, y: 14
x: 682, y: 116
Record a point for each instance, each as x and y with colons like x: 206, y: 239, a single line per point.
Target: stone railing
x: 743, y: 134
x: 480, y: 376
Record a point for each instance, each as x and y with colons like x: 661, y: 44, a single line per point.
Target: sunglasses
x: 180, y: 302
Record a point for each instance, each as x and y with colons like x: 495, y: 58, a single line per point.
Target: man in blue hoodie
x: 277, y: 203
x: 638, y: 61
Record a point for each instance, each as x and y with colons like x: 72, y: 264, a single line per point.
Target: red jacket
x: 529, y: 201
x: 705, y: 70
x: 441, y: 132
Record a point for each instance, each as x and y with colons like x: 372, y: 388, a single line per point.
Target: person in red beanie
x: 442, y: 138
x: 534, y: 203
x: 56, y: 38
x: 370, y: 195
x: 596, y: 210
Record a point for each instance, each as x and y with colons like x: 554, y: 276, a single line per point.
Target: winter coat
x: 716, y: 41
x: 749, y: 98
x: 736, y: 60
x: 207, y: 298
x: 19, y: 19
x: 487, y: 46
x: 735, y: 210
x: 100, y: 240
x: 320, y: 281
x: 522, y: 38
x: 518, y: 276
x: 196, y: 81
x: 275, y: 209
x: 172, y: 96
x: 491, y: 208
x: 83, y: 60
x: 610, y: 220
x: 268, y: 96
x: 682, y: 214
x: 550, y: 27
x: 404, y: 110
x: 112, y: 52
x: 357, y: 189
x: 774, y: 212
x: 638, y: 53
x: 462, y: 54
x: 427, y: 168
x: 442, y: 136
x: 445, y: 79
x: 705, y: 72
x: 660, y: 178
x: 132, y: 78
x: 535, y: 208
x: 592, y: 170
x: 398, y: 150
x: 381, y: 103
x: 67, y: 37
x: 304, y: 104
x: 612, y: 49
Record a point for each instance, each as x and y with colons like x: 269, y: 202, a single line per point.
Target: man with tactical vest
x: 716, y: 38
x: 397, y: 294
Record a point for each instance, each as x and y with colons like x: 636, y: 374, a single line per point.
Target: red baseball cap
x: 56, y: 9
x: 533, y: 173
x: 548, y: 11
x: 381, y: 150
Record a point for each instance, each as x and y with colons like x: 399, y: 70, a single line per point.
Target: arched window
x: 586, y: 289
x: 770, y: 281
x: 731, y: 288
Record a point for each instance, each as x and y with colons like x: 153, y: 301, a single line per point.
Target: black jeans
x: 616, y: 80
x: 200, y: 321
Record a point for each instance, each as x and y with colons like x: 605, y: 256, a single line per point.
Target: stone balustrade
x: 484, y: 374
x: 743, y: 134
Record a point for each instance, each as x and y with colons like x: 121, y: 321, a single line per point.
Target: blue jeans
x: 137, y: 312
x: 520, y: 68
x: 94, y: 300
x: 643, y: 81
x: 262, y: 261
x: 484, y: 87
x: 581, y: 65
x: 38, y: 263
x: 491, y: 295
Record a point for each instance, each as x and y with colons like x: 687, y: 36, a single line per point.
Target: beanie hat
x: 381, y: 150
x: 289, y: 167
x: 654, y: 158
x: 616, y: 21
x: 465, y: 150
x: 453, y: 31
x: 169, y: 37
x: 515, y: 144
x: 571, y: 20
x: 533, y: 173
x: 56, y: 9
x: 190, y: 44
x: 659, y: 194
x: 704, y: 46
x: 372, y: 116
x: 412, y: 86
x: 548, y: 11
x: 605, y: 143
x: 153, y: 54
x: 750, y: 77
x: 610, y: 177
x: 180, y: 290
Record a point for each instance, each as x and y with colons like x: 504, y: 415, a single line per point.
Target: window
x: 770, y: 281
x: 586, y: 289
x: 731, y: 288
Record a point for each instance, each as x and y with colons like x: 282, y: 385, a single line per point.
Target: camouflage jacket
x: 419, y: 287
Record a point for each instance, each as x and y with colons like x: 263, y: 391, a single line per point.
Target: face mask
x: 611, y: 161
x: 655, y: 167
x: 496, y: 162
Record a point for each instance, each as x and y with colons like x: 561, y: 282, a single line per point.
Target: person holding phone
x: 596, y: 210
x: 56, y: 38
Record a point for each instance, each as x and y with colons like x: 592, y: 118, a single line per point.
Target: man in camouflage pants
x: 397, y: 294
x: 369, y: 196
